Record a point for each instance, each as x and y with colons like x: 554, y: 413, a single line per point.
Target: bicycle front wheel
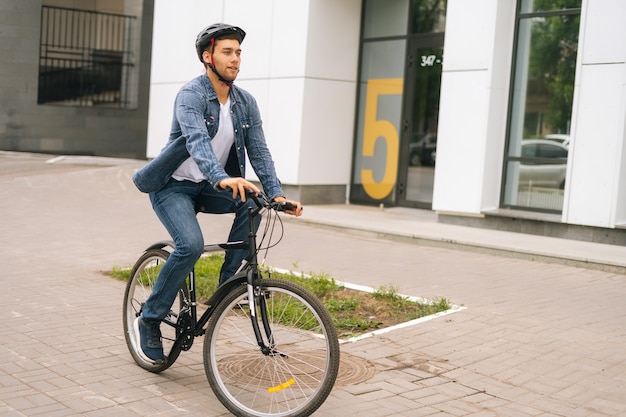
x: 298, y: 373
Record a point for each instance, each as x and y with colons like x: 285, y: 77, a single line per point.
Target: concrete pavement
x: 540, y: 335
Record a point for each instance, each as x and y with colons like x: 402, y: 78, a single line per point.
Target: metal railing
x: 85, y: 58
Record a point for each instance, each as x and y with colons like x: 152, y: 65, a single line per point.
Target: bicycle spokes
x: 298, y: 368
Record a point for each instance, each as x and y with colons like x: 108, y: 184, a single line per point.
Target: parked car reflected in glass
x: 544, y: 163
x: 558, y: 137
x: 422, y: 150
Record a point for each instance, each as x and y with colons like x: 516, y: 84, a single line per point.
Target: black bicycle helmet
x: 210, y: 34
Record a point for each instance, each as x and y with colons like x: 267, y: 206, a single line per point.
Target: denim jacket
x: 195, y: 122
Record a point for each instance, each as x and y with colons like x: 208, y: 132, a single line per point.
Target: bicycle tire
x: 138, y: 289
x: 297, y: 378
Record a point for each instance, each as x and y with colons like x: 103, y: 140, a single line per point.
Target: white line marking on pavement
x: 357, y: 287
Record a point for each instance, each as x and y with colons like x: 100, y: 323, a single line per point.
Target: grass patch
x: 353, y: 312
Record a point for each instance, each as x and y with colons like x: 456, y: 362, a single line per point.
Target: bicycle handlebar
x: 262, y: 200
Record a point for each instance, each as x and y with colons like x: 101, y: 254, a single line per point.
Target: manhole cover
x: 354, y: 370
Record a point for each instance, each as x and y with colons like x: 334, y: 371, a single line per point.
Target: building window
x: 85, y: 58
x: 381, y: 78
x: 541, y: 104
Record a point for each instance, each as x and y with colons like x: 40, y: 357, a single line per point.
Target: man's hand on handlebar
x: 293, y: 207
x: 238, y: 186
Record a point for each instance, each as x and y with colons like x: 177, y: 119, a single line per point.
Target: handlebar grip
x: 261, y: 200
x: 285, y: 206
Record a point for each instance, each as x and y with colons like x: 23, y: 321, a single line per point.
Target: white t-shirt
x: 221, y: 144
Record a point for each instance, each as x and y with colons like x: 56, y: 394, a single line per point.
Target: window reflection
x: 385, y: 18
x: 428, y: 16
x: 540, y: 118
x: 529, y: 6
x: 544, y: 163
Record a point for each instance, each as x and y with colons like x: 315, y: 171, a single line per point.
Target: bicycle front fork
x: 257, y: 302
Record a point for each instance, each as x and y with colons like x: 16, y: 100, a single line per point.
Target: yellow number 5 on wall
x: 374, y: 129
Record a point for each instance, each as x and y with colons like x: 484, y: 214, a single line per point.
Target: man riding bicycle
x: 202, y: 169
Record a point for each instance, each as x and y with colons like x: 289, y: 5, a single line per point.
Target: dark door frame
x: 412, y: 64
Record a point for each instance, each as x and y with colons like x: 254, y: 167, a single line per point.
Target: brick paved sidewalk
x: 536, y: 339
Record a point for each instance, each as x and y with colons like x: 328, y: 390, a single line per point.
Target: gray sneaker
x: 148, y: 338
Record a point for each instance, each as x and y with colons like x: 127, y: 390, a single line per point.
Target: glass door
x: 420, y: 121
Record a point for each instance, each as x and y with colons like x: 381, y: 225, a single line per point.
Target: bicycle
x: 270, y: 346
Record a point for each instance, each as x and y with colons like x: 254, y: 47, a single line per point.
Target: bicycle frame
x: 248, y: 272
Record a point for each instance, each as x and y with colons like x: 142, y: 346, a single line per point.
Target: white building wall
x: 620, y: 212
x: 473, y: 105
x: 596, y: 185
x: 332, y: 57
x: 300, y: 62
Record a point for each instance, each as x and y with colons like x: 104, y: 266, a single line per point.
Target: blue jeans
x: 176, y: 205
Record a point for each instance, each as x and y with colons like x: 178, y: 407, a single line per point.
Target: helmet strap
x: 229, y: 83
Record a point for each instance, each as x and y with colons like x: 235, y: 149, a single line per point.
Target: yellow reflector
x: 281, y: 386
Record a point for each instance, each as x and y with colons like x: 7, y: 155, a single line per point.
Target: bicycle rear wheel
x: 297, y: 375
x: 138, y: 289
